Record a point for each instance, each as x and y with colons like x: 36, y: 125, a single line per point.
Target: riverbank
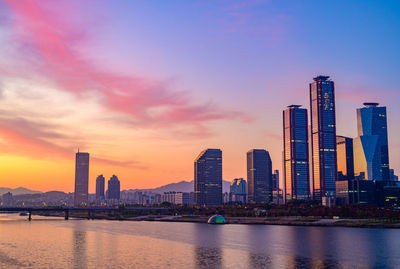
x: 288, y: 221
x: 293, y: 221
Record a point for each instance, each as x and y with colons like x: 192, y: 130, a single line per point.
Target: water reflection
x: 104, y: 244
x: 259, y: 261
x: 208, y: 257
x: 79, y: 243
x: 207, y: 253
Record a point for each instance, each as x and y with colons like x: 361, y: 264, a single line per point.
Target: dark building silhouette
x: 7, y: 199
x: 355, y: 191
x: 371, y: 154
x: 345, y: 157
x: 323, y: 137
x: 81, y: 179
x: 296, y: 172
x: 259, y: 176
x: 100, y: 184
x: 388, y: 193
x: 114, y: 188
x: 208, y: 177
x: 275, y: 180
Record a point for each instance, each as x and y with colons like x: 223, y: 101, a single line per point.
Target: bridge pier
x: 66, y: 214
x: 29, y: 215
x: 89, y: 214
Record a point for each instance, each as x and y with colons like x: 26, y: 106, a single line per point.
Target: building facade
x: 259, y: 176
x: 295, y: 153
x: 371, y: 153
x: 323, y: 137
x: 208, y: 178
x: 114, y: 188
x: 81, y: 179
x: 238, y: 190
x: 275, y: 180
x: 184, y: 198
x: 353, y: 191
x: 100, y: 185
x: 345, y: 157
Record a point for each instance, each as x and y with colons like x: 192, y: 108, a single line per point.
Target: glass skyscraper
x: 259, y: 176
x: 371, y: 153
x: 238, y: 190
x: 345, y: 157
x: 208, y: 178
x: 81, y: 179
x: 295, y: 154
x: 323, y: 137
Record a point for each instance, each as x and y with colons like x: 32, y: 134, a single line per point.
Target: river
x: 56, y: 243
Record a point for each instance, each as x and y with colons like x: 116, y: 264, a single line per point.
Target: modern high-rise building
x: 114, y: 188
x: 100, y: 183
x: 371, y: 153
x: 275, y: 180
x: 208, y: 178
x: 238, y: 190
x: 296, y: 158
x: 345, y: 158
x: 259, y: 176
x: 323, y: 138
x: 81, y: 179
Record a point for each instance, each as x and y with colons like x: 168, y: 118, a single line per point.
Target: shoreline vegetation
x: 293, y: 214
x: 285, y: 221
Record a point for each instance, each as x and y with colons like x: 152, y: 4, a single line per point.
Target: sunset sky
x: 144, y: 86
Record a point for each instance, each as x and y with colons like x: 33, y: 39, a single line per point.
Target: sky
x: 145, y: 86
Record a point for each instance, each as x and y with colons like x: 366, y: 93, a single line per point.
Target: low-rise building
x: 354, y: 191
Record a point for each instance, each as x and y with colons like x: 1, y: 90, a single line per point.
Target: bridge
x: 90, y: 211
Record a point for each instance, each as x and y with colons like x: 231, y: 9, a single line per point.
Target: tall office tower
x: 275, y: 180
x: 295, y: 148
x: 208, y: 178
x: 100, y: 182
x: 238, y: 190
x: 323, y: 137
x: 345, y: 157
x: 371, y: 153
x: 114, y: 188
x: 81, y: 178
x: 259, y: 176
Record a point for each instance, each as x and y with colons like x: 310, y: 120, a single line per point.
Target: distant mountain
x: 183, y: 186
x: 18, y: 191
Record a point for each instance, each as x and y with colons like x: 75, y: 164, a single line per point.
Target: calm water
x: 55, y: 243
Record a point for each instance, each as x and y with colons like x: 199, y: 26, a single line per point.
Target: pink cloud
x: 33, y: 139
x: 53, y: 42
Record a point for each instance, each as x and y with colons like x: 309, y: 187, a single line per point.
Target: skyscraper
x: 259, y: 176
x: 323, y: 137
x: 371, y: 154
x: 114, y: 188
x: 275, y: 180
x: 295, y: 148
x: 208, y: 177
x: 345, y: 158
x: 238, y: 190
x: 81, y: 178
x: 100, y: 182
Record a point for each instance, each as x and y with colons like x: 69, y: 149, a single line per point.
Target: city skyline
x: 55, y: 72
